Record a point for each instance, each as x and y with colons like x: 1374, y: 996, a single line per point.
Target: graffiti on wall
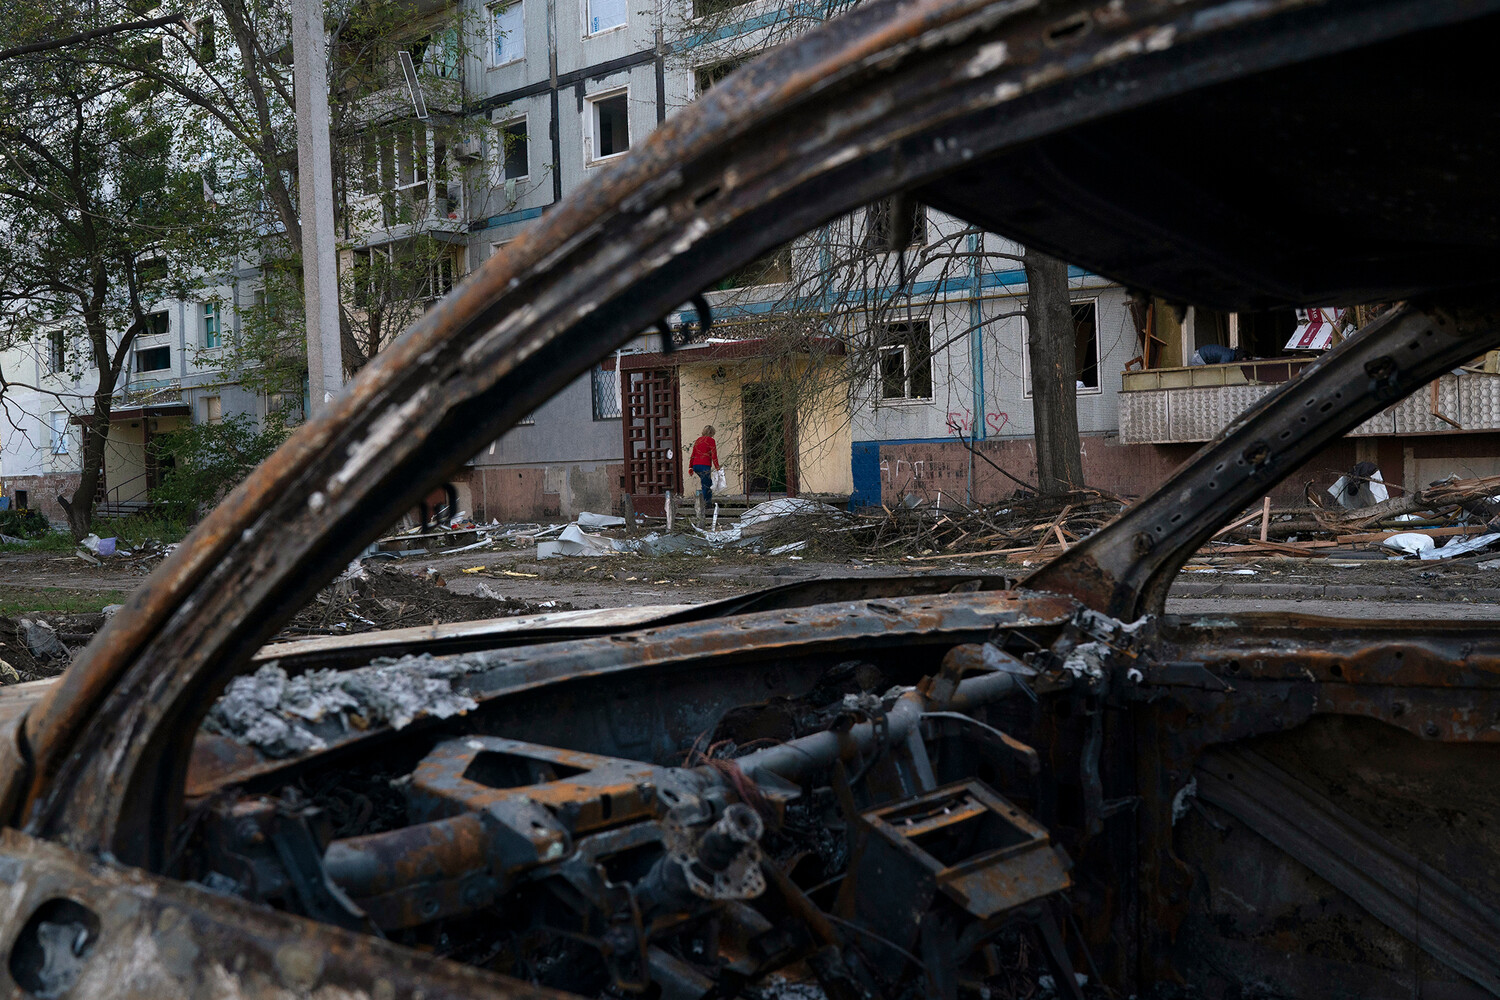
x: 962, y: 422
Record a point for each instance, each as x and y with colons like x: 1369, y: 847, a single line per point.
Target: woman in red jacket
x: 704, y: 460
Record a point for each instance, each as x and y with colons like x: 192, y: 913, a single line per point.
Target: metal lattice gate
x: 651, y: 439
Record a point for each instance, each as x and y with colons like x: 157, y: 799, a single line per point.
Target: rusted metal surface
x: 918, y: 87
x: 826, y: 780
x: 154, y: 937
x: 1419, y: 902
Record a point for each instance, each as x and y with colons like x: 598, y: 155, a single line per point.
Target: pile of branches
x: 939, y: 528
x: 1450, y: 507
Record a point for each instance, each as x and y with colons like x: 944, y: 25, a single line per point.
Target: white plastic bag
x: 721, y: 481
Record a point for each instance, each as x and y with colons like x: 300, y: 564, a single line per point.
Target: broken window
x: 904, y: 359
x: 610, y: 125
x: 707, y: 76
x: 1085, y: 349
x: 772, y: 269
x: 605, y: 14
x: 880, y: 220
x: 393, y: 167
x: 155, y: 323
x: 437, y: 54
x: 507, y: 23
x: 514, y: 154
x: 153, y: 359
x: 1086, y: 343
x: 606, y: 391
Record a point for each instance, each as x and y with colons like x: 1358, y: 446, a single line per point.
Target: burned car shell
x: 933, y: 97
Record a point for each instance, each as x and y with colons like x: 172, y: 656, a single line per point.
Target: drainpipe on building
x: 976, y: 357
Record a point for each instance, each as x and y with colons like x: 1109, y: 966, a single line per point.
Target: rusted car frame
x: 573, y: 810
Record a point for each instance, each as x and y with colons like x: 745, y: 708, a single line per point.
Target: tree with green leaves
x: 102, y: 217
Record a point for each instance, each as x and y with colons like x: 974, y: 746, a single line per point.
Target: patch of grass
x: 63, y: 600
x: 134, y: 530
x: 52, y: 541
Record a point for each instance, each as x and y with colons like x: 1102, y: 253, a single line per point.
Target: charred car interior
x: 937, y: 786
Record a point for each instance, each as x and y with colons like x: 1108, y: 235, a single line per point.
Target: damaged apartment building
x: 831, y: 367
x: 859, y: 389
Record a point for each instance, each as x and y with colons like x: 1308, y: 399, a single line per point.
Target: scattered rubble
x: 368, y: 597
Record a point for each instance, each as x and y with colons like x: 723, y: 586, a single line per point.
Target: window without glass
x: 707, y: 76
x: 437, y: 54
x: 58, y: 425
x: 57, y: 353
x: 904, y: 358
x: 605, y: 14
x: 213, y: 409
x: 153, y: 359
x: 611, y: 125
x: 509, y: 29
x: 1085, y: 348
x: 212, y: 330
x: 772, y: 269
x: 514, y: 150
x: 1086, y: 344
x: 881, y: 223
x: 155, y: 323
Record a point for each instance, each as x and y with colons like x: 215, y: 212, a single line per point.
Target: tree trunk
x: 1054, y: 374
x: 80, y: 507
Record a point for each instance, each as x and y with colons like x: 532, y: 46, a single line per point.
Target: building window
x: 437, y: 54
x: 609, y: 125
x: 904, y: 359
x: 23, y: 499
x: 394, y: 167
x: 207, y: 50
x: 212, y: 328
x: 57, y: 350
x: 880, y: 222
x: 155, y: 323
x: 509, y: 28
x: 58, y: 424
x: 514, y: 152
x: 1085, y: 348
x: 213, y: 409
x: 1086, y: 343
x: 773, y: 269
x: 153, y: 359
x: 606, y: 386
x: 605, y: 14
x: 707, y: 76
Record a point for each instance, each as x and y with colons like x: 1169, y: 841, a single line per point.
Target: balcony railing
x: 1188, y: 405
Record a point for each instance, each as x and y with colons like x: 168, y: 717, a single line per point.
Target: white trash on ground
x: 594, y: 522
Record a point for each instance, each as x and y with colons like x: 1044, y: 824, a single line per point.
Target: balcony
x: 1188, y: 405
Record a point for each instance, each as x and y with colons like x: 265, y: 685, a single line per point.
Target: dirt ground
x: 67, y: 596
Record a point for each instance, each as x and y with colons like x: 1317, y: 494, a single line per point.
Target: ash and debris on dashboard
x: 367, y: 598
x: 283, y: 716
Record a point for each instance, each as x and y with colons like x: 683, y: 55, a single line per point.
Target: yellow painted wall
x: 125, y: 456
x: 823, y: 434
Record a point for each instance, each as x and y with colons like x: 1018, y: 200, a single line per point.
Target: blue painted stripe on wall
x: 524, y: 215
x: 992, y: 279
